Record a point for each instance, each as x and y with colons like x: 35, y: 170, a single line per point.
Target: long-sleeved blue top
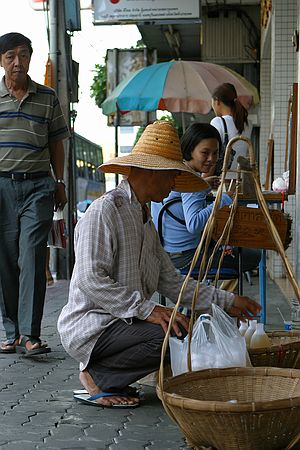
x: 194, y: 210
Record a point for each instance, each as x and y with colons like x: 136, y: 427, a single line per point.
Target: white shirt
x: 240, y: 147
x: 119, y: 265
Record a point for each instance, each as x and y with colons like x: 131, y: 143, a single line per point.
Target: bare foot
x: 88, y: 383
x: 8, y: 346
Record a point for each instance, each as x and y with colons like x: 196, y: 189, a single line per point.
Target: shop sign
x: 134, y: 11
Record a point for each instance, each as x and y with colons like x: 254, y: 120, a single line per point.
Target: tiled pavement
x: 37, y: 409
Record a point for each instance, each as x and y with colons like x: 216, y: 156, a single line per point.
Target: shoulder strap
x: 160, y: 215
x: 226, y: 139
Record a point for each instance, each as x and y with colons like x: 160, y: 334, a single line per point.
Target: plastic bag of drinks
x: 216, y: 343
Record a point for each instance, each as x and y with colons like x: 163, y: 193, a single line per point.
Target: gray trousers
x: 26, y: 212
x: 125, y: 353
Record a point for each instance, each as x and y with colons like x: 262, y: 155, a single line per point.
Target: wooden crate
x: 250, y: 229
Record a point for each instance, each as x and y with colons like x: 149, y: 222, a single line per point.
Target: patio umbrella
x: 175, y: 86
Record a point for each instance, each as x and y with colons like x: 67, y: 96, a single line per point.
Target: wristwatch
x: 61, y: 181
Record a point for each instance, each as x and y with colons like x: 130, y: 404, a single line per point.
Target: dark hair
x: 9, y: 41
x: 194, y: 135
x: 227, y: 94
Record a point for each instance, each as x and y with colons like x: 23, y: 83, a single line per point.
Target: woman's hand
x: 244, y: 308
x: 213, y: 181
x: 231, y: 194
x: 161, y: 316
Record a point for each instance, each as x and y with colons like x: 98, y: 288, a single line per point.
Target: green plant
x: 98, y: 88
x: 168, y: 118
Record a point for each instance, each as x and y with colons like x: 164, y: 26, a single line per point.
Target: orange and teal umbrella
x: 176, y: 86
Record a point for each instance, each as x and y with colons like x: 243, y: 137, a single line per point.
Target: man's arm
x: 57, y: 159
x: 171, y: 281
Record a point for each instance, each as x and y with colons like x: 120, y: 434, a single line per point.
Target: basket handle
x: 228, y: 153
x: 205, y: 239
x: 293, y: 442
x: 264, y: 207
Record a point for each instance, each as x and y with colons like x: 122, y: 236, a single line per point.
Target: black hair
x: 9, y: 41
x: 194, y: 135
x: 227, y: 94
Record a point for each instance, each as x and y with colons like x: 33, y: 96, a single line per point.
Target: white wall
x: 278, y: 73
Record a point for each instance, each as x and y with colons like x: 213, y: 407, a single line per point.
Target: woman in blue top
x: 185, y: 219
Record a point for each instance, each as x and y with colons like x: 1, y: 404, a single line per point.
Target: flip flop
x: 80, y: 391
x: 21, y: 347
x: 131, y: 391
x: 91, y: 400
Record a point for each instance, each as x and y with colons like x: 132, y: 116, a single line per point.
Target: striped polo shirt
x: 28, y: 126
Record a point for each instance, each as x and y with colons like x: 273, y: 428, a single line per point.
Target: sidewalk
x: 38, y: 410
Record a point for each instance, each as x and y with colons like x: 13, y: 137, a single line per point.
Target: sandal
x: 129, y: 390
x: 92, y: 400
x: 21, y: 346
x: 9, y: 346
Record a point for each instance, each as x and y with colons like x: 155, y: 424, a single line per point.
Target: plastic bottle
x: 251, y: 329
x: 295, y: 314
x: 243, y: 328
x: 259, y: 338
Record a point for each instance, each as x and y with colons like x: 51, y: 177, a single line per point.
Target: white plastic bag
x: 216, y: 343
x: 56, y: 236
x: 281, y: 184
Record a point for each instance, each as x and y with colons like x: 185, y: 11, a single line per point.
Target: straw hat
x: 159, y: 149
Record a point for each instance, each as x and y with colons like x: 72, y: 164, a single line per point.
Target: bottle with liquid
x: 260, y: 338
x: 250, y: 331
x: 243, y: 327
x: 295, y: 314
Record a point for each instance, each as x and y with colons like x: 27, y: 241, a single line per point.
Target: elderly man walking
x: 110, y: 324
x: 32, y: 128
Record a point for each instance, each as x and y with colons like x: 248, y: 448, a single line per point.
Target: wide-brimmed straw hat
x: 159, y: 149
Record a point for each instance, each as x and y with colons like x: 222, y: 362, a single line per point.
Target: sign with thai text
x: 133, y: 11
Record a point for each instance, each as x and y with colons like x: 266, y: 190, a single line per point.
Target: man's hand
x: 60, y: 198
x: 244, y: 308
x: 161, y: 316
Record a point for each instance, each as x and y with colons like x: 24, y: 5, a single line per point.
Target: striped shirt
x: 119, y: 265
x: 28, y: 126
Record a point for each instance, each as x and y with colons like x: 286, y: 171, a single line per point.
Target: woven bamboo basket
x: 284, y: 352
x: 236, y: 408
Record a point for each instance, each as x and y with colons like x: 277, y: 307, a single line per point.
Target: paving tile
x: 25, y: 445
x: 102, y: 432
x: 66, y: 432
x: 149, y: 433
x: 129, y: 444
x: 78, y: 445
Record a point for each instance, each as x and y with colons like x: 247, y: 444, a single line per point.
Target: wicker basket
x: 236, y: 408
x: 284, y: 352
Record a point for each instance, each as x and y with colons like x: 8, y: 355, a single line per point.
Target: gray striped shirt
x: 27, y: 127
x: 119, y: 264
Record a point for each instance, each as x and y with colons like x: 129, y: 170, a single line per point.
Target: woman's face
x: 205, y: 155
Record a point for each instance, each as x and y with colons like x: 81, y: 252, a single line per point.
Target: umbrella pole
x: 117, y: 141
x: 183, y: 122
